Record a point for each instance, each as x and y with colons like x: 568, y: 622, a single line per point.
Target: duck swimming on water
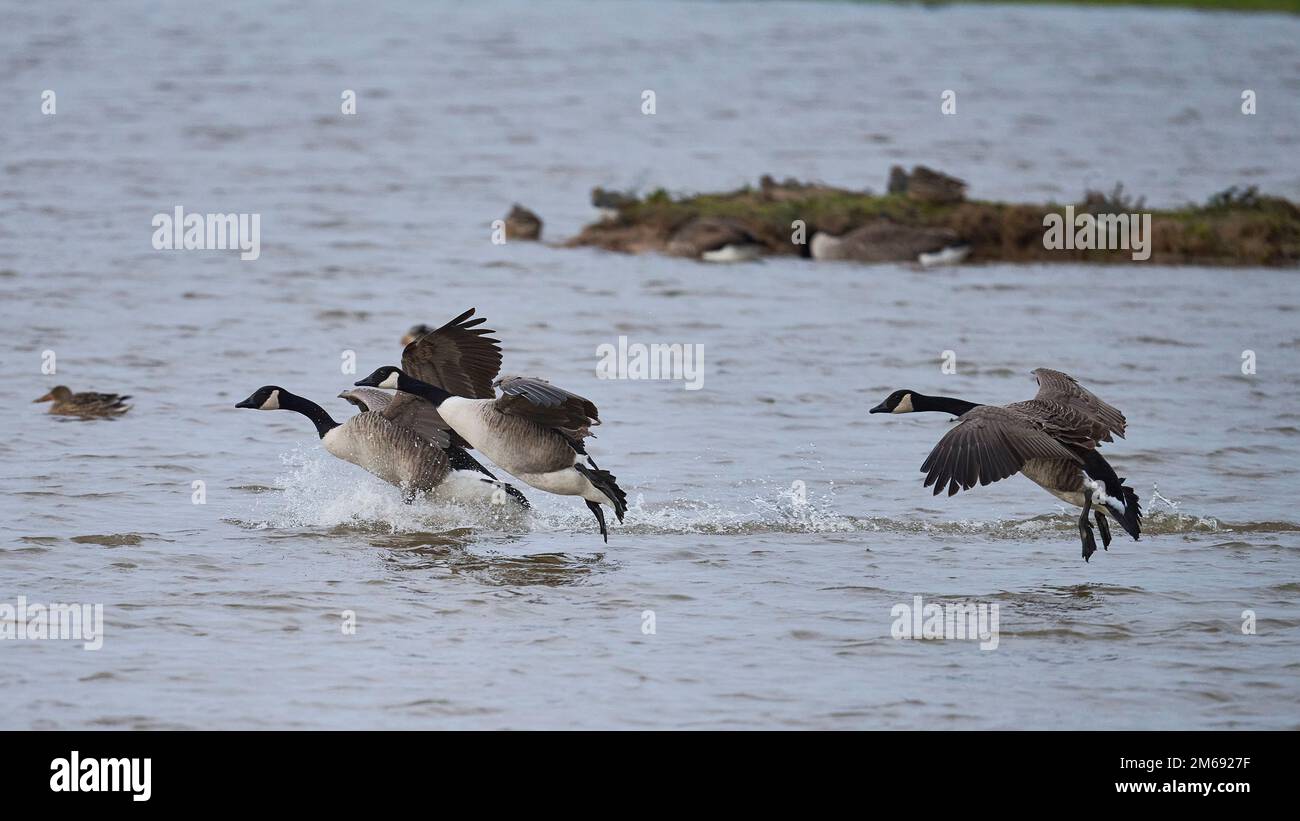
x: 86, y: 404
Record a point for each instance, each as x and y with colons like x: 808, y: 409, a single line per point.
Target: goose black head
x: 266, y: 397
x: 383, y: 377
x: 415, y: 333
x: 897, y: 402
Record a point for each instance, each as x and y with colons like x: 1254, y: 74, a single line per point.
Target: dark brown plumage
x: 549, y: 406
x: 459, y: 357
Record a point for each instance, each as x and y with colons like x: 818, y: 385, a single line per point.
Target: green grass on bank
x: 1234, y: 227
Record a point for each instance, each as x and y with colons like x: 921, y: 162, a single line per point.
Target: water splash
x: 318, y: 492
x: 1167, y: 514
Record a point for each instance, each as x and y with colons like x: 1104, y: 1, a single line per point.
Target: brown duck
x: 85, y: 404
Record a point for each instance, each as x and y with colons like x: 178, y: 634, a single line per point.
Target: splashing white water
x: 1170, y: 511
x: 321, y: 492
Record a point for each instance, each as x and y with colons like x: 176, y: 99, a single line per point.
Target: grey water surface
x: 773, y: 523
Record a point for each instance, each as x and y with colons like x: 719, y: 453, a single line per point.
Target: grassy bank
x: 1232, y: 228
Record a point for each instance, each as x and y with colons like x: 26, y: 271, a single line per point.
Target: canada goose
x: 882, y: 240
x: 401, y: 442
x: 85, y: 404
x: 534, y: 431
x: 926, y: 185
x: 712, y: 236
x: 1052, y: 439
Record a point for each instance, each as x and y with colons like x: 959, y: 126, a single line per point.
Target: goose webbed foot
x: 1104, y: 528
x: 600, y: 517
x: 1085, y: 527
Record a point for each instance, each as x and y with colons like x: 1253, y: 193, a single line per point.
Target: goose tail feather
x: 606, y: 483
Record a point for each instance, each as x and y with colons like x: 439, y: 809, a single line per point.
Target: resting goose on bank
x: 1052, y: 439
x: 397, y: 438
x: 534, y: 431
x: 85, y: 404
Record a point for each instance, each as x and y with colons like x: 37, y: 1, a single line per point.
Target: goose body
x: 882, y: 240
x: 395, y: 454
x: 392, y: 443
x: 531, y: 452
x: 534, y: 430
x: 1052, y: 439
x: 87, y: 404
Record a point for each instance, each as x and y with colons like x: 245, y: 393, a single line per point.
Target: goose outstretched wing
x: 368, y: 399
x: 459, y: 357
x: 540, y: 401
x: 1098, y: 419
x: 990, y: 443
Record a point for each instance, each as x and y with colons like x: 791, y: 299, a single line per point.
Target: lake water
x: 768, y: 611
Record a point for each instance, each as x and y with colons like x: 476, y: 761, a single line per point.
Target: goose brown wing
x: 1067, y: 425
x: 459, y: 357
x: 368, y: 399
x: 410, y: 411
x: 1063, y: 389
x: 547, y: 405
x: 990, y: 443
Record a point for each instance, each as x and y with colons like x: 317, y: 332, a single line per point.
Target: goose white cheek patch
x: 389, y: 382
x: 272, y: 402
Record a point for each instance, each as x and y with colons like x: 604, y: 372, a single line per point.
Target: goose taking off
x: 1052, y: 439
x: 86, y: 404
x: 534, y: 431
x: 400, y: 441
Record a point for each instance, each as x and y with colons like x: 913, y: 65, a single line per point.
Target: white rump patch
x: 1099, y: 496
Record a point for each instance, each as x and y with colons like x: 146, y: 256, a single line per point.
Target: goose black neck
x: 941, y: 404
x: 318, y: 416
x: 409, y: 384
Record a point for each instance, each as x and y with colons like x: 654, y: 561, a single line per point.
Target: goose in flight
x: 86, y: 404
x: 1052, y: 439
x: 533, y: 431
x: 398, y: 438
